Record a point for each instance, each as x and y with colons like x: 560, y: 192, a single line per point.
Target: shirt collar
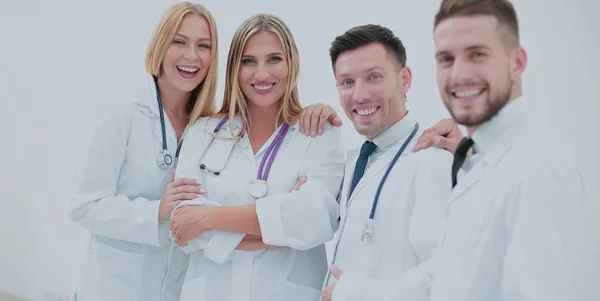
x: 500, y: 131
x: 396, y: 132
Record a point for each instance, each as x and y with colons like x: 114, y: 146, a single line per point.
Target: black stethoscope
x: 164, y: 158
x: 368, y: 230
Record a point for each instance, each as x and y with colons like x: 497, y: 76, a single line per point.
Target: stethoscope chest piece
x: 367, y: 233
x: 258, y: 188
x: 164, y: 159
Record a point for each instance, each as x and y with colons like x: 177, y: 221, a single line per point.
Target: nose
x: 461, y: 71
x: 360, y: 91
x: 191, y: 53
x: 261, y: 73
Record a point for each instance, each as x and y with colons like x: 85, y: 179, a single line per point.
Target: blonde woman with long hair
x: 126, y: 192
x: 257, y: 233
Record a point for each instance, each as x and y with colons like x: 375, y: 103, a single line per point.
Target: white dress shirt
x: 410, y: 214
x: 299, y: 222
x: 517, y: 227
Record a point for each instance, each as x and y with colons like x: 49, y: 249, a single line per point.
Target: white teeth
x: 464, y: 94
x: 188, y: 69
x: 365, y: 112
x: 263, y: 87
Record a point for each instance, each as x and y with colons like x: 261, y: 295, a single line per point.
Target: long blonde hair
x: 234, y: 100
x: 202, y: 99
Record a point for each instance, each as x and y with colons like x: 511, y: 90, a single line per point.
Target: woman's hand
x: 183, y: 189
x: 313, y: 118
x: 188, y: 223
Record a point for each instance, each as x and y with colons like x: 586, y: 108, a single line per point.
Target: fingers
x: 184, y: 181
x: 444, y: 128
x: 300, y: 182
x: 336, y: 121
x: 336, y: 272
x: 305, y: 125
x: 328, y: 293
x: 446, y: 143
x: 314, y: 118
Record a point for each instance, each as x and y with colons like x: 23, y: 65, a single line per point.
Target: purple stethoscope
x: 258, y: 188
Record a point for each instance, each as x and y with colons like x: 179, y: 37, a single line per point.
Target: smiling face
x: 371, y: 87
x: 263, y: 74
x: 188, y: 58
x: 476, y: 67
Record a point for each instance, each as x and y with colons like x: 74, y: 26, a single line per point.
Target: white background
x: 61, y: 60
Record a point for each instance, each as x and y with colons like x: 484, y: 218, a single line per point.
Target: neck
x: 514, y: 94
x: 263, y: 118
x: 173, y: 100
x: 397, y: 119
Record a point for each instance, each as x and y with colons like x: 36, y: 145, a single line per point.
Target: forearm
x: 251, y: 242
x: 240, y: 219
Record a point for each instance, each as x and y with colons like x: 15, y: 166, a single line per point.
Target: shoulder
x: 117, y: 115
x: 331, y: 137
x: 434, y: 157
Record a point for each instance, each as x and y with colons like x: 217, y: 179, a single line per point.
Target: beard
x: 493, y: 104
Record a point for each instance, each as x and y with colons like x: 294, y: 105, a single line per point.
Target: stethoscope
x: 164, y: 158
x: 368, y: 230
x: 257, y: 188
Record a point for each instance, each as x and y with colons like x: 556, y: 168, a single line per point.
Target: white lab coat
x: 409, y: 218
x: 117, y: 197
x: 300, y: 222
x: 517, y: 227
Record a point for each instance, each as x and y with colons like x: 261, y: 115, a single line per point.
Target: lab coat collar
x: 237, y: 122
x: 148, y: 97
x: 493, y: 139
x: 388, y: 142
x: 396, y: 132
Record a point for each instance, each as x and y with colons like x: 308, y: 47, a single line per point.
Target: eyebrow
x: 270, y: 54
x: 469, y: 48
x: 374, y: 68
x: 187, y: 38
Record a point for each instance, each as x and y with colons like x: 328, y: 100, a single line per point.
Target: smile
x: 187, y: 71
x: 263, y: 88
x: 366, y: 111
x: 467, y: 94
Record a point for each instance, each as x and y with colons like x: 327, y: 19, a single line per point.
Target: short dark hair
x: 502, y: 10
x: 363, y: 35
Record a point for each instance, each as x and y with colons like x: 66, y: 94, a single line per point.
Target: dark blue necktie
x: 361, y: 163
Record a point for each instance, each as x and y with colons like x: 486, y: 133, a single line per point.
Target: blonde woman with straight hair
x: 258, y: 232
x: 126, y: 191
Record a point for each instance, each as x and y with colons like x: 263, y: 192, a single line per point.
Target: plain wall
x: 61, y: 60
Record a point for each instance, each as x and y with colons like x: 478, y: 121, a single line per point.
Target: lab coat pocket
x: 193, y: 289
x: 194, y: 283
x: 296, y: 292
x: 118, y: 270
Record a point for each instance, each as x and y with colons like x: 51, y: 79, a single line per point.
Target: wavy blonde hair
x: 234, y: 100
x: 202, y: 99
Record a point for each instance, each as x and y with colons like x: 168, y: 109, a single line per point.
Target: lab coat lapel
x: 488, y: 161
x: 349, y: 171
x: 373, y: 170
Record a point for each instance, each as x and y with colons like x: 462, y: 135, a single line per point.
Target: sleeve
x: 217, y: 245
x: 95, y: 204
x: 428, y: 220
x: 550, y: 255
x: 306, y: 218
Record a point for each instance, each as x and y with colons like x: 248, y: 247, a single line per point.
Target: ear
x: 406, y: 76
x: 518, y: 63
